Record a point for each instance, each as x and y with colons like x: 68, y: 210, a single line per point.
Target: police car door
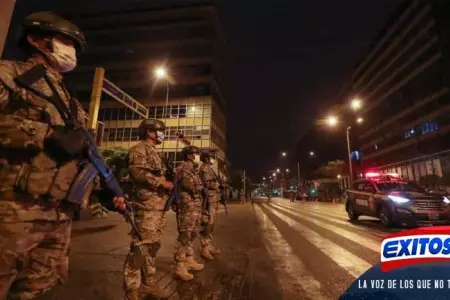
x: 363, y: 196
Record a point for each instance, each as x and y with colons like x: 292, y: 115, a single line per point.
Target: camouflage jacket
x: 147, y: 171
x: 31, y: 183
x: 190, y: 185
x: 209, y: 180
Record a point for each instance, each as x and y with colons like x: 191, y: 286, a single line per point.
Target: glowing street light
x: 338, y: 176
x: 278, y: 170
x: 160, y: 72
x: 311, y: 153
x: 283, y: 153
x: 287, y: 170
x: 359, y: 120
x: 273, y: 174
x: 332, y: 121
x: 264, y: 178
x: 356, y: 104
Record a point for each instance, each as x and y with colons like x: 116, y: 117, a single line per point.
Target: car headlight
x: 446, y: 200
x: 398, y: 199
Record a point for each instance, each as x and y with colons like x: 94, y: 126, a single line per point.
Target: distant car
x: 395, y: 201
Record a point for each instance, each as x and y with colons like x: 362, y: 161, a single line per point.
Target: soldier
x: 40, y: 154
x: 190, y: 210
x: 213, y: 186
x: 147, y: 172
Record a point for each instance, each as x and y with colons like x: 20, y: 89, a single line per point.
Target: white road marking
x: 291, y: 272
x: 354, y: 237
x: 342, y: 221
x: 342, y: 257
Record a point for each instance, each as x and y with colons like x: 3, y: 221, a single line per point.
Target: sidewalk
x: 99, y: 247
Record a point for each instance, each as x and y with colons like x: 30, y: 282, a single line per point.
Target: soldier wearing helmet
x: 40, y: 154
x: 147, y: 173
x: 211, y: 182
x: 190, y: 209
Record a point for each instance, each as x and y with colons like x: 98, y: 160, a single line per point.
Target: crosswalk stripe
x: 331, y: 219
x: 342, y: 257
x: 344, y: 221
x: 356, y: 238
x: 317, y: 207
x: 290, y: 270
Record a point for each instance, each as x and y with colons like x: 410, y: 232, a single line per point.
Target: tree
x: 116, y: 158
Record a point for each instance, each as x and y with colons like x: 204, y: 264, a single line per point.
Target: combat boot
x: 132, y: 295
x: 206, y: 253
x: 191, y: 264
x: 155, y: 290
x: 181, y: 272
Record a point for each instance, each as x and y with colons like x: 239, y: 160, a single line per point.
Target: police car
x: 395, y: 202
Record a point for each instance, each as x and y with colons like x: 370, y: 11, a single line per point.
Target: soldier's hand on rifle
x: 167, y: 185
x: 119, y: 203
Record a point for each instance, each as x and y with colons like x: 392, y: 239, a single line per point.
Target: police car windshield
x: 398, y: 186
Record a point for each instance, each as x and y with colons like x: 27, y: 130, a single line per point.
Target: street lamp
x: 287, y: 170
x: 356, y: 104
x: 278, y: 170
x: 311, y: 153
x: 161, y: 73
x: 283, y: 153
x: 332, y: 121
x: 274, y: 175
x: 264, y: 178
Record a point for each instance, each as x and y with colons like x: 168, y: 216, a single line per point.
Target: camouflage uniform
x: 189, y: 217
x: 211, y: 183
x: 146, y: 172
x: 34, y: 223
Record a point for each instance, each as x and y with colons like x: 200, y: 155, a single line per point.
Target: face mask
x: 160, y: 137
x: 63, y: 58
x: 212, y: 160
x: 197, y: 158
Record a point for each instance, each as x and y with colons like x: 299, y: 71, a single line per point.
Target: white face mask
x: 196, y: 158
x: 63, y: 58
x: 160, y: 135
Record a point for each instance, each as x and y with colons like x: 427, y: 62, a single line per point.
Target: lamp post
x: 333, y: 121
x: 161, y: 73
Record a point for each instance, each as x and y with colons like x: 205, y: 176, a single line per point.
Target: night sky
x: 285, y: 60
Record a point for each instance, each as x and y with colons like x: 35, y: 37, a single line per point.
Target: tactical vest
x: 25, y: 169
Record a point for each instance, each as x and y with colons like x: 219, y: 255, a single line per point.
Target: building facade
x: 130, y: 44
x: 404, y: 82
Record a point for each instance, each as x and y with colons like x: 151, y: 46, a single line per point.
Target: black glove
x: 65, y: 143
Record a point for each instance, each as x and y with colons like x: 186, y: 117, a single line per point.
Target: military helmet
x: 207, y: 153
x: 189, y: 150
x: 48, y: 22
x: 151, y: 125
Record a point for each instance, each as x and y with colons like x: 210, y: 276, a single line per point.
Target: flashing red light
x: 372, y: 174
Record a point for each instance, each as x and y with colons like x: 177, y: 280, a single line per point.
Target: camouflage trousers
x: 140, y: 262
x: 189, y: 220
x: 34, y: 257
x: 208, y: 222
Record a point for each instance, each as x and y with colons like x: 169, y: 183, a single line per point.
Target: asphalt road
x: 280, y: 250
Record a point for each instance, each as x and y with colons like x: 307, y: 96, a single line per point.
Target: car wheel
x: 385, y: 217
x: 352, y: 215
